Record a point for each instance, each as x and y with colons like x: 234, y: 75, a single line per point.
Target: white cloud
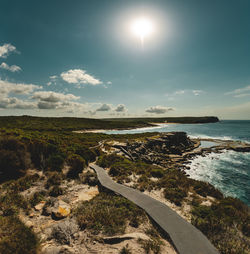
x: 52, y: 80
x: 197, y: 92
x: 241, y: 95
x: 109, y: 83
x: 53, y: 97
x: 240, y: 92
x: 15, y: 103
x: 120, y: 108
x: 104, y: 107
x: 7, y: 87
x: 158, y: 110
x: 78, y: 76
x: 12, y: 68
x: 179, y: 92
x: 5, y: 49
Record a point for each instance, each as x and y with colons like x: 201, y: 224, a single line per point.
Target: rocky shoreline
x: 166, y: 149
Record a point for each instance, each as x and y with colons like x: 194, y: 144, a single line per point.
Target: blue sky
x: 80, y: 58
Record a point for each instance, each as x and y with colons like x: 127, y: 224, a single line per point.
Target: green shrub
x: 11, y: 202
x: 106, y: 161
x: 107, y: 214
x: 55, y: 162
x: 86, y: 153
x: 37, y: 197
x: 157, y: 172
x: 12, y: 159
x: 90, y: 178
x: 77, y: 164
x: 125, y: 250
x: 206, y: 189
x: 151, y: 246
x: 175, y: 195
x: 16, y: 238
x: 223, y: 223
x: 54, y: 178
x: 22, y: 183
x: 56, y: 191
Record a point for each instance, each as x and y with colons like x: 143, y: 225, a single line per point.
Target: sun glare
x: 142, y: 28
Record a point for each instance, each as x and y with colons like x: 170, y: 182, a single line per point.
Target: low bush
x: 16, y: 238
x: 151, y: 246
x: 11, y: 202
x: 54, y: 178
x: 107, y: 214
x: 56, y: 191
x: 223, y: 223
x: 77, y: 164
x: 206, y: 189
x: 22, y: 183
x: 55, y: 162
x: 157, y: 172
x: 37, y: 197
x: 125, y: 250
x: 90, y: 178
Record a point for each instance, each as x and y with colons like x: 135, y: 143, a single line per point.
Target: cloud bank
x: 158, y: 110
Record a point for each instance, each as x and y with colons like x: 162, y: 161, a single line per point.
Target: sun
x: 142, y: 27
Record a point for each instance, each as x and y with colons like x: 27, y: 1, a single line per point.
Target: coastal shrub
x: 37, y: 197
x: 157, y: 172
x: 107, y: 214
x: 152, y: 245
x: 176, y: 186
x: 56, y: 191
x: 22, y: 183
x: 206, y: 189
x: 107, y: 161
x: 11, y: 202
x: 89, y: 178
x: 55, y: 162
x: 223, y: 223
x: 16, y: 238
x: 175, y: 195
x: 125, y: 250
x: 13, y: 159
x: 87, y: 154
x: 77, y: 164
x: 54, y: 178
x: 121, y: 168
x: 38, y: 153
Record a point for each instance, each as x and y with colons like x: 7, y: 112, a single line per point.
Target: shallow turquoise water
x: 228, y: 171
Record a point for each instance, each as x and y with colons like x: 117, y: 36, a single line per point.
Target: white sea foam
x: 202, y: 136
x: 224, y: 170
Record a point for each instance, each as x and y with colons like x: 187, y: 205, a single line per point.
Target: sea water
x: 228, y: 171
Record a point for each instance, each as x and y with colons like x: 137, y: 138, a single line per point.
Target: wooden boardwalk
x: 186, y: 238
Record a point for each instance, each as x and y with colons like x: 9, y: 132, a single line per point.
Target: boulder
x: 57, y: 208
x: 40, y: 206
x: 60, y: 210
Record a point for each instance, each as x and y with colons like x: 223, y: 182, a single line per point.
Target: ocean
x: 228, y: 171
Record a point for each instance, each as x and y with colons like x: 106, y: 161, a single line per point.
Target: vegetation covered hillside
x: 50, y: 200
x: 72, y: 123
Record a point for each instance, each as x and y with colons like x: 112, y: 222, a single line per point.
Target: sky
x: 81, y: 58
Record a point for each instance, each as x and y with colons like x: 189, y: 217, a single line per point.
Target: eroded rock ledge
x: 175, y: 147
